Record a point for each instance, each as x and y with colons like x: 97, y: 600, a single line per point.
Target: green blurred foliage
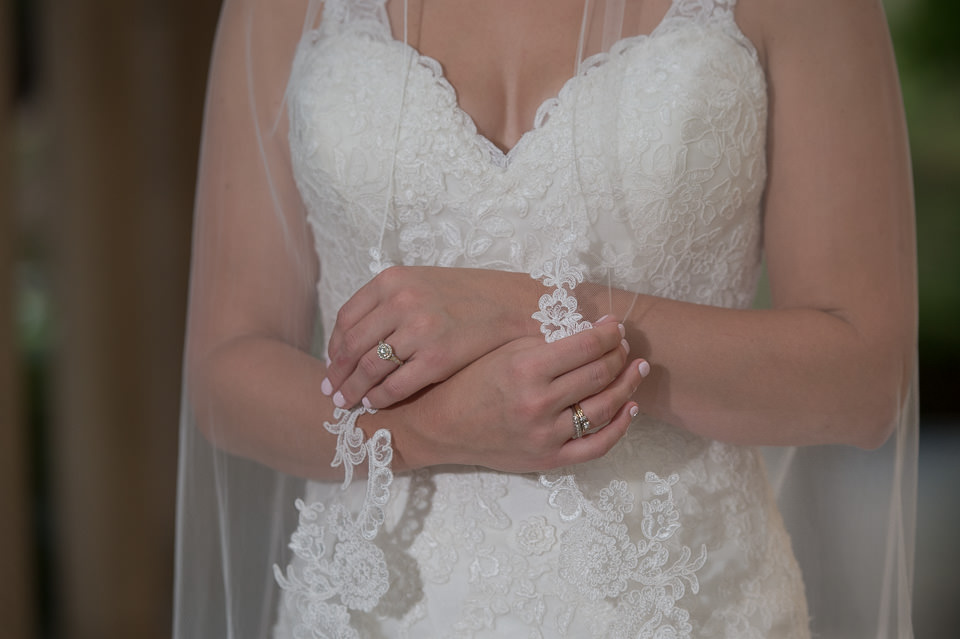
x: 928, y: 54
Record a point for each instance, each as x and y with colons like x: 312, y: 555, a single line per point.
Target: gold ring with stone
x: 580, y: 422
x: 385, y: 352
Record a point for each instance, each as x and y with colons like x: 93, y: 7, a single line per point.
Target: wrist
x: 398, y: 420
x: 528, y: 303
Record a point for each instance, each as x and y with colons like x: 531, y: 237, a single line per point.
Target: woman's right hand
x: 510, y: 409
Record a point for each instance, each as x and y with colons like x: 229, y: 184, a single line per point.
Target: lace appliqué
x: 600, y: 561
x: 558, y: 315
x: 337, y: 557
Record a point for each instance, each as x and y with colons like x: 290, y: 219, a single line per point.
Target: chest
x: 505, y: 58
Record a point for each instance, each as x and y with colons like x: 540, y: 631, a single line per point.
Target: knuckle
x: 538, y: 405
x: 427, y: 324
x: 524, y: 413
x: 343, y: 315
x: 592, y: 343
x: 352, y: 345
x: 389, y: 276
x: 338, y: 358
x: 604, y: 373
x: 529, y: 410
x: 406, y: 300
x: 599, y: 374
x: 368, y: 367
x: 602, y: 414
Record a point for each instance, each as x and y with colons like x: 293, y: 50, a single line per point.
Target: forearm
x: 787, y: 376
x: 258, y: 397
x: 765, y: 377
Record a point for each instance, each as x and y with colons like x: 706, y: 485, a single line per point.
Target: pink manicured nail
x: 327, y: 358
x: 626, y: 345
x: 339, y: 400
x: 634, y: 410
x: 326, y: 387
x: 623, y: 331
x: 366, y: 403
x: 644, y: 368
x: 600, y: 321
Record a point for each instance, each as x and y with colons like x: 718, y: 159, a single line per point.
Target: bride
x: 471, y: 349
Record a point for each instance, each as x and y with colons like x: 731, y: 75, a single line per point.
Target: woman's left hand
x: 437, y: 320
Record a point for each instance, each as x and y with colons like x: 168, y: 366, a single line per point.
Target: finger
x: 360, y: 305
x: 598, y: 444
x: 592, y: 377
x: 402, y: 383
x: 371, y: 370
x: 558, y: 358
x: 360, y: 342
x: 601, y: 408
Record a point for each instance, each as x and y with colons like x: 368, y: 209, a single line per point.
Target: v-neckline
x: 498, y: 156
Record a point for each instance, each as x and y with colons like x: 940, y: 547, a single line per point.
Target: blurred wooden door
x: 124, y: 84
x: 16, y: 569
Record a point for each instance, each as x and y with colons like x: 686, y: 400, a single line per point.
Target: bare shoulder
x: 783, y: 26
x: 259, y: 38
x: 280, y: 19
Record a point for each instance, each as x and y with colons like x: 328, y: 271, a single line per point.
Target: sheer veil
x: 850, y: 513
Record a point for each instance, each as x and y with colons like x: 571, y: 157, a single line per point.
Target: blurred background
x: 100, y: 112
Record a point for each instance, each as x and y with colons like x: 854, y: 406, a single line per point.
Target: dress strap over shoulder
x: 702, y: 10
x: 340, y: 14
x: 711, y: 13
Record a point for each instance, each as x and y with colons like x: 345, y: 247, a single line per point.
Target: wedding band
x: 580, y: 422
x: 385, y: 351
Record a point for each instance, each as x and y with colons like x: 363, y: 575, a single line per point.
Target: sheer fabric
x: 644, y: 174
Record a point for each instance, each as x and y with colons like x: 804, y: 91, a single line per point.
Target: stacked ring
x: 385, y: 352
x: 580, y: 422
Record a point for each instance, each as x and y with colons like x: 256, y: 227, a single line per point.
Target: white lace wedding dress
x: 647, y: 168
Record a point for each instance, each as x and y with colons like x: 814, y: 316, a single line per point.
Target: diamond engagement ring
x: 385, y: 351
x: 580, y: 422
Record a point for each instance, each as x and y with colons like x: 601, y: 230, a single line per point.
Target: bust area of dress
x: 647, y: 168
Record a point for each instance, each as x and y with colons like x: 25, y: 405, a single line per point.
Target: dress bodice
x: 649, y: 162
x: 646, y: 171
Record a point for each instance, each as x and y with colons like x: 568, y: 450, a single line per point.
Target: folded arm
x: 252, y: 386
x: 829, y: 363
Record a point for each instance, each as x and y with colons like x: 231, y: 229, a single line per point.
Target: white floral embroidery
x: 598, y: 557
x: 558, y: 314
x: 535, y: 536
x: 356, y: 574
x: 600, y: 560
x: 338, y: 559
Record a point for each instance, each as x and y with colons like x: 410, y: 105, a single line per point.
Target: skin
x: 827, y: 364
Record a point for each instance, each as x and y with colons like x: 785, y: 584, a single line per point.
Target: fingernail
x: 366, y: 403
x: 600, y: 321
x: 623, y: 331
x: 326, y: 387
x: 338, y: 400
x: 626, y: 345
x: 327, y: 357
x: 634, y: 410
x: 644, y: 368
